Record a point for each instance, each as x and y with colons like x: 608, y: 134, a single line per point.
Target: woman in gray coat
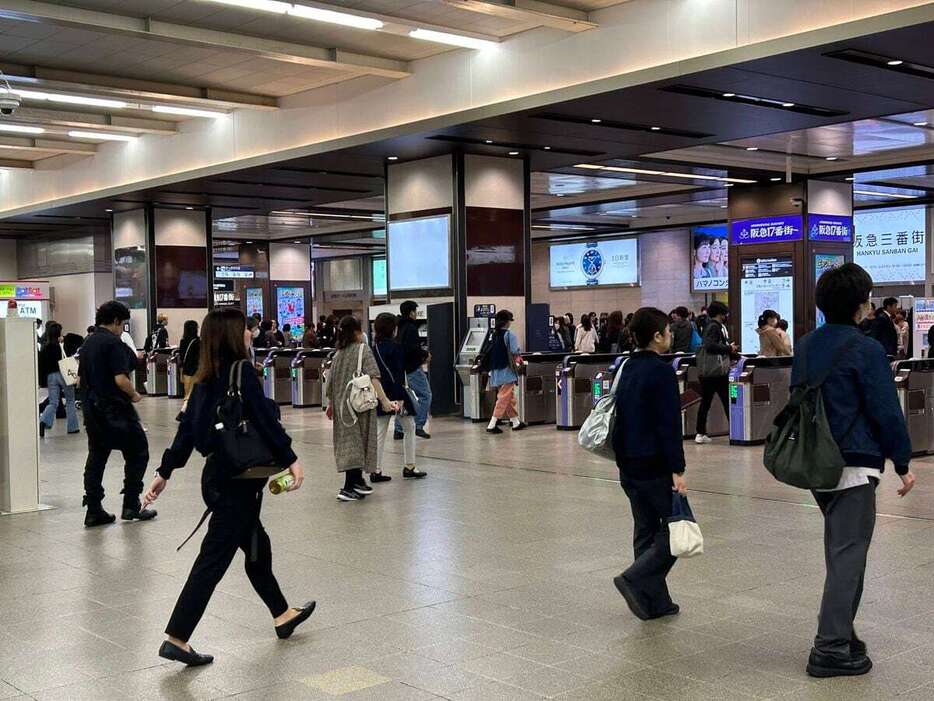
x: 354, y: 434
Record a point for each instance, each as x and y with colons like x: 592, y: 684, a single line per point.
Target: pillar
x: 782, y: 237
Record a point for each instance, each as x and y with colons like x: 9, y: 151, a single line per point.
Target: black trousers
x: 234, y: 525
x: 134, y: 446
x: 651, y: 507
x: 849, y: 521
x: 710, y: 386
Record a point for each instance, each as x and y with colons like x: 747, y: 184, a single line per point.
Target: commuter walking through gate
x: 391, y: 363
x: 54, y: 348
x: 649, y: 454
x: 110, y: 420
x: 355, y: 437
x: 772, y: 342
x: 234, y: 501
x: 868, y: 426
x: 415, y: 358
x: 159, y: 338
x: 713, y: 365
x: 682, y: 331
x: 504, y: 355
x: 189, y: 348
x: 609, y: 339
x: 585, y: 338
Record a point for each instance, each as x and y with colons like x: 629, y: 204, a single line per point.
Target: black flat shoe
x: 71, y: 433
x: 421, y: 433
x: 672, y: 610
x: 631, y: 597
x: 98, y: 518
x: 858, y: 647
x: 286, y: 629
x: 379, y: 477
x: 520, y: 426
x: 138, y: 514
x: 188, y: 657
x: 413, y: 473
x: 824, y: 666
x: 495, y: 429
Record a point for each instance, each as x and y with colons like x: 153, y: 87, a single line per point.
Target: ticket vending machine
x: 473, y: 379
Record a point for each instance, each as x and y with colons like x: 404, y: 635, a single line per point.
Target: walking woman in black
x: 714, y: 367
x: 234, y: 503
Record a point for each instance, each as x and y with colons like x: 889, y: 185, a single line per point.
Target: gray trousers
x: 849, y: 520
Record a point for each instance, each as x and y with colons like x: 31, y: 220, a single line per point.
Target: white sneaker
x: 700, y: 439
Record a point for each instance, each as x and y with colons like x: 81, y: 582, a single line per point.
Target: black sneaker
x: 379, y: 477
x: 632, y: 598
x: 824, y: 666
x: 363, y: 489
x: 519, y: 426
x: 411, y: 473
x: 349, y: 495
x: 672, y: 610
x: 98, y: 517
x: 495, y: 429
x: 421, y: 433
x: 131, y: 513
x: 398, y: 435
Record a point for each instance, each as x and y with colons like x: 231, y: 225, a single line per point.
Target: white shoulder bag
x: 596, y: 434
x: 361, y: 395
x: 68, y: 367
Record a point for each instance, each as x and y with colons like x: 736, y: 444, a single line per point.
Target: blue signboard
x: 766, y: 229
x: 830, y: 227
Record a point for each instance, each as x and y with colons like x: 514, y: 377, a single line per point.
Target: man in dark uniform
x: 110, y: 420
x: 883, y: 326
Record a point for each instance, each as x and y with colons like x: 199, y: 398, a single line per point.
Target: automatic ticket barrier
x: 759, y: 390
x: 574, y: 387
x: 175, y: 388
x: 307, y: 379
x: 157, y: 371
x: 277, y: 374
x: 718, y: 422
x: 536, y: 390
x: 914, y: 380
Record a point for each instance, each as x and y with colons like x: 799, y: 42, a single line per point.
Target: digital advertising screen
x: 594, y: 263
x: 420, y: 253
x: 181, y: 277
x: 290, y: 309
x: 380, y: 288
x: 766, y: 283
x: 710, y: 260
x: 254, y: 301
x: 822, y: 263
x: 889, y: 244
x: 130, y: 276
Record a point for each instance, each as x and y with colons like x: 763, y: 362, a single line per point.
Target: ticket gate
x: 718, y: 421
x: 536, y: 390
x: 277, y: 374
x: 139, y: 376
x: 157, y: 371
x: 307, y: 381
x: 574, y: 387
x: 175, y: 388
x: 914, y: 380
x: 759, y: 390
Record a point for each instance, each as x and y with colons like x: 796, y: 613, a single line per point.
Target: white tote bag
x: 684, y: 535
x: 361, y: 395
x: 68, y: 367
x: 596, y: 433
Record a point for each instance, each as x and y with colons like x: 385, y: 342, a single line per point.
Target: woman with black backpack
x: 189, y: 348
x: 504, y: 352
x: 234, y: 501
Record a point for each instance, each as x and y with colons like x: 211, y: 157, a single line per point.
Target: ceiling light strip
x: 628, y: 126
x: 754, y: 100
x: 664, y: 173
x: 893, y: 195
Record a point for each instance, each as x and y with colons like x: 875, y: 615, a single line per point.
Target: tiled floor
x: 489, y: 580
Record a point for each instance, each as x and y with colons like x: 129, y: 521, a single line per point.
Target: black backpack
x: 484, y: 359
x: 800, y: 449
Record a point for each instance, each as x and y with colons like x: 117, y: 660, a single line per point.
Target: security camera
x: 797, y: 201
x: 9, y: 102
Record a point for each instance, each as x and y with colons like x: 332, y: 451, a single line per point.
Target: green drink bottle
x: 280, y: 483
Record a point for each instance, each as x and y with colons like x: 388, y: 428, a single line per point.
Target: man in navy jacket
x: 647, y: 440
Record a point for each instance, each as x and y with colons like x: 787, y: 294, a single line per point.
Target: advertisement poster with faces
x: 710, y: 260
x: 889, y: 244
x: 594, y: 263
x: 766, y: 283
x: 290, y: 308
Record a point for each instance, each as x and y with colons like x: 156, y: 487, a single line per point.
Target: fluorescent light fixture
x: 189, y: 207
x: 188, y: 111
x: 920, y: 124
x: 850, y: 179
x: 108, y: 210
x: 264, y: 5
x: 775, y: 180
x: 547, y: 148
x: 298, y: 242
x: 894, y: 62
x: 332, y: 17
x: 595, y: 121
x: 513, y: 153
x: 655, y: 128
x: 830, y: 158
x: 893, y: 195
x: 788, y: 104
x: 451, y: 39
x: 723, y: 206
x: 729, y: 94
x: 488, y: 141
x: 669, y: 174
x: 392, y: 158
x: 21, y: 129
x: 71, y: 99
x: 752, y: 148
x: 100, y: 135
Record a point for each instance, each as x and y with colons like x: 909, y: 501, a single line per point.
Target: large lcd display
x: 420, y: 253
x: 130, y: 276
x: 889, y: 244
x: 379, y: 277
x: 594, y: 263
x: 254, y: 301
x: 710, y: 260
x: 181, y: 277
x: 766, y: 283
x: 290, y: 309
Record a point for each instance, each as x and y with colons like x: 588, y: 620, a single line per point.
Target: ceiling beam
x: 76, y: 119
x: 46, y: 145
x: 282, y: 51
x: 59, y: 80
x: 13, y: 163
x: 542, y: 13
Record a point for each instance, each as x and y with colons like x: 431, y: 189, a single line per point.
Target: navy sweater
x: 648, y: 434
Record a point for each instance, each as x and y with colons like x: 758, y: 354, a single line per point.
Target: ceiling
x: 653, y: 155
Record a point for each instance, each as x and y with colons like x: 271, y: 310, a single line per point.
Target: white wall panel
x: 180, y: 227
x: 129, y: 229
x: 420, y: 185
x: 494, y: 182
x: 290, y: 261
x: 8, y: 269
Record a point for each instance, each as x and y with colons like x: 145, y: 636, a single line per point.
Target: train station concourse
x: 498, y: 349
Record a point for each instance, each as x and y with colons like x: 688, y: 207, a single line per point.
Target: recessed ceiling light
x: 513, y: 153
x: 850, y: 179
x: 298, y: 242
x: 723, y: 206
x: 189, y: 207
x: 21, y: 129
x: 894, y: 62
x: 774, y: 180
x: 188, y: 111
x: 729, y: 94
x: 451, y: 39
x: 752, y: 148
x: 249, y: 242
x: 788, y: 104
x: 655, y: 128
x: 596, y: 121
x: 101, y: 136
x: 559, y: 194
x: 920, y: 124
x: 392, y: 158
x: 728, y: 185
x: 830, y: 158
x: 108, y: 210
x: 547, y: 148
x: 488, y: 141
